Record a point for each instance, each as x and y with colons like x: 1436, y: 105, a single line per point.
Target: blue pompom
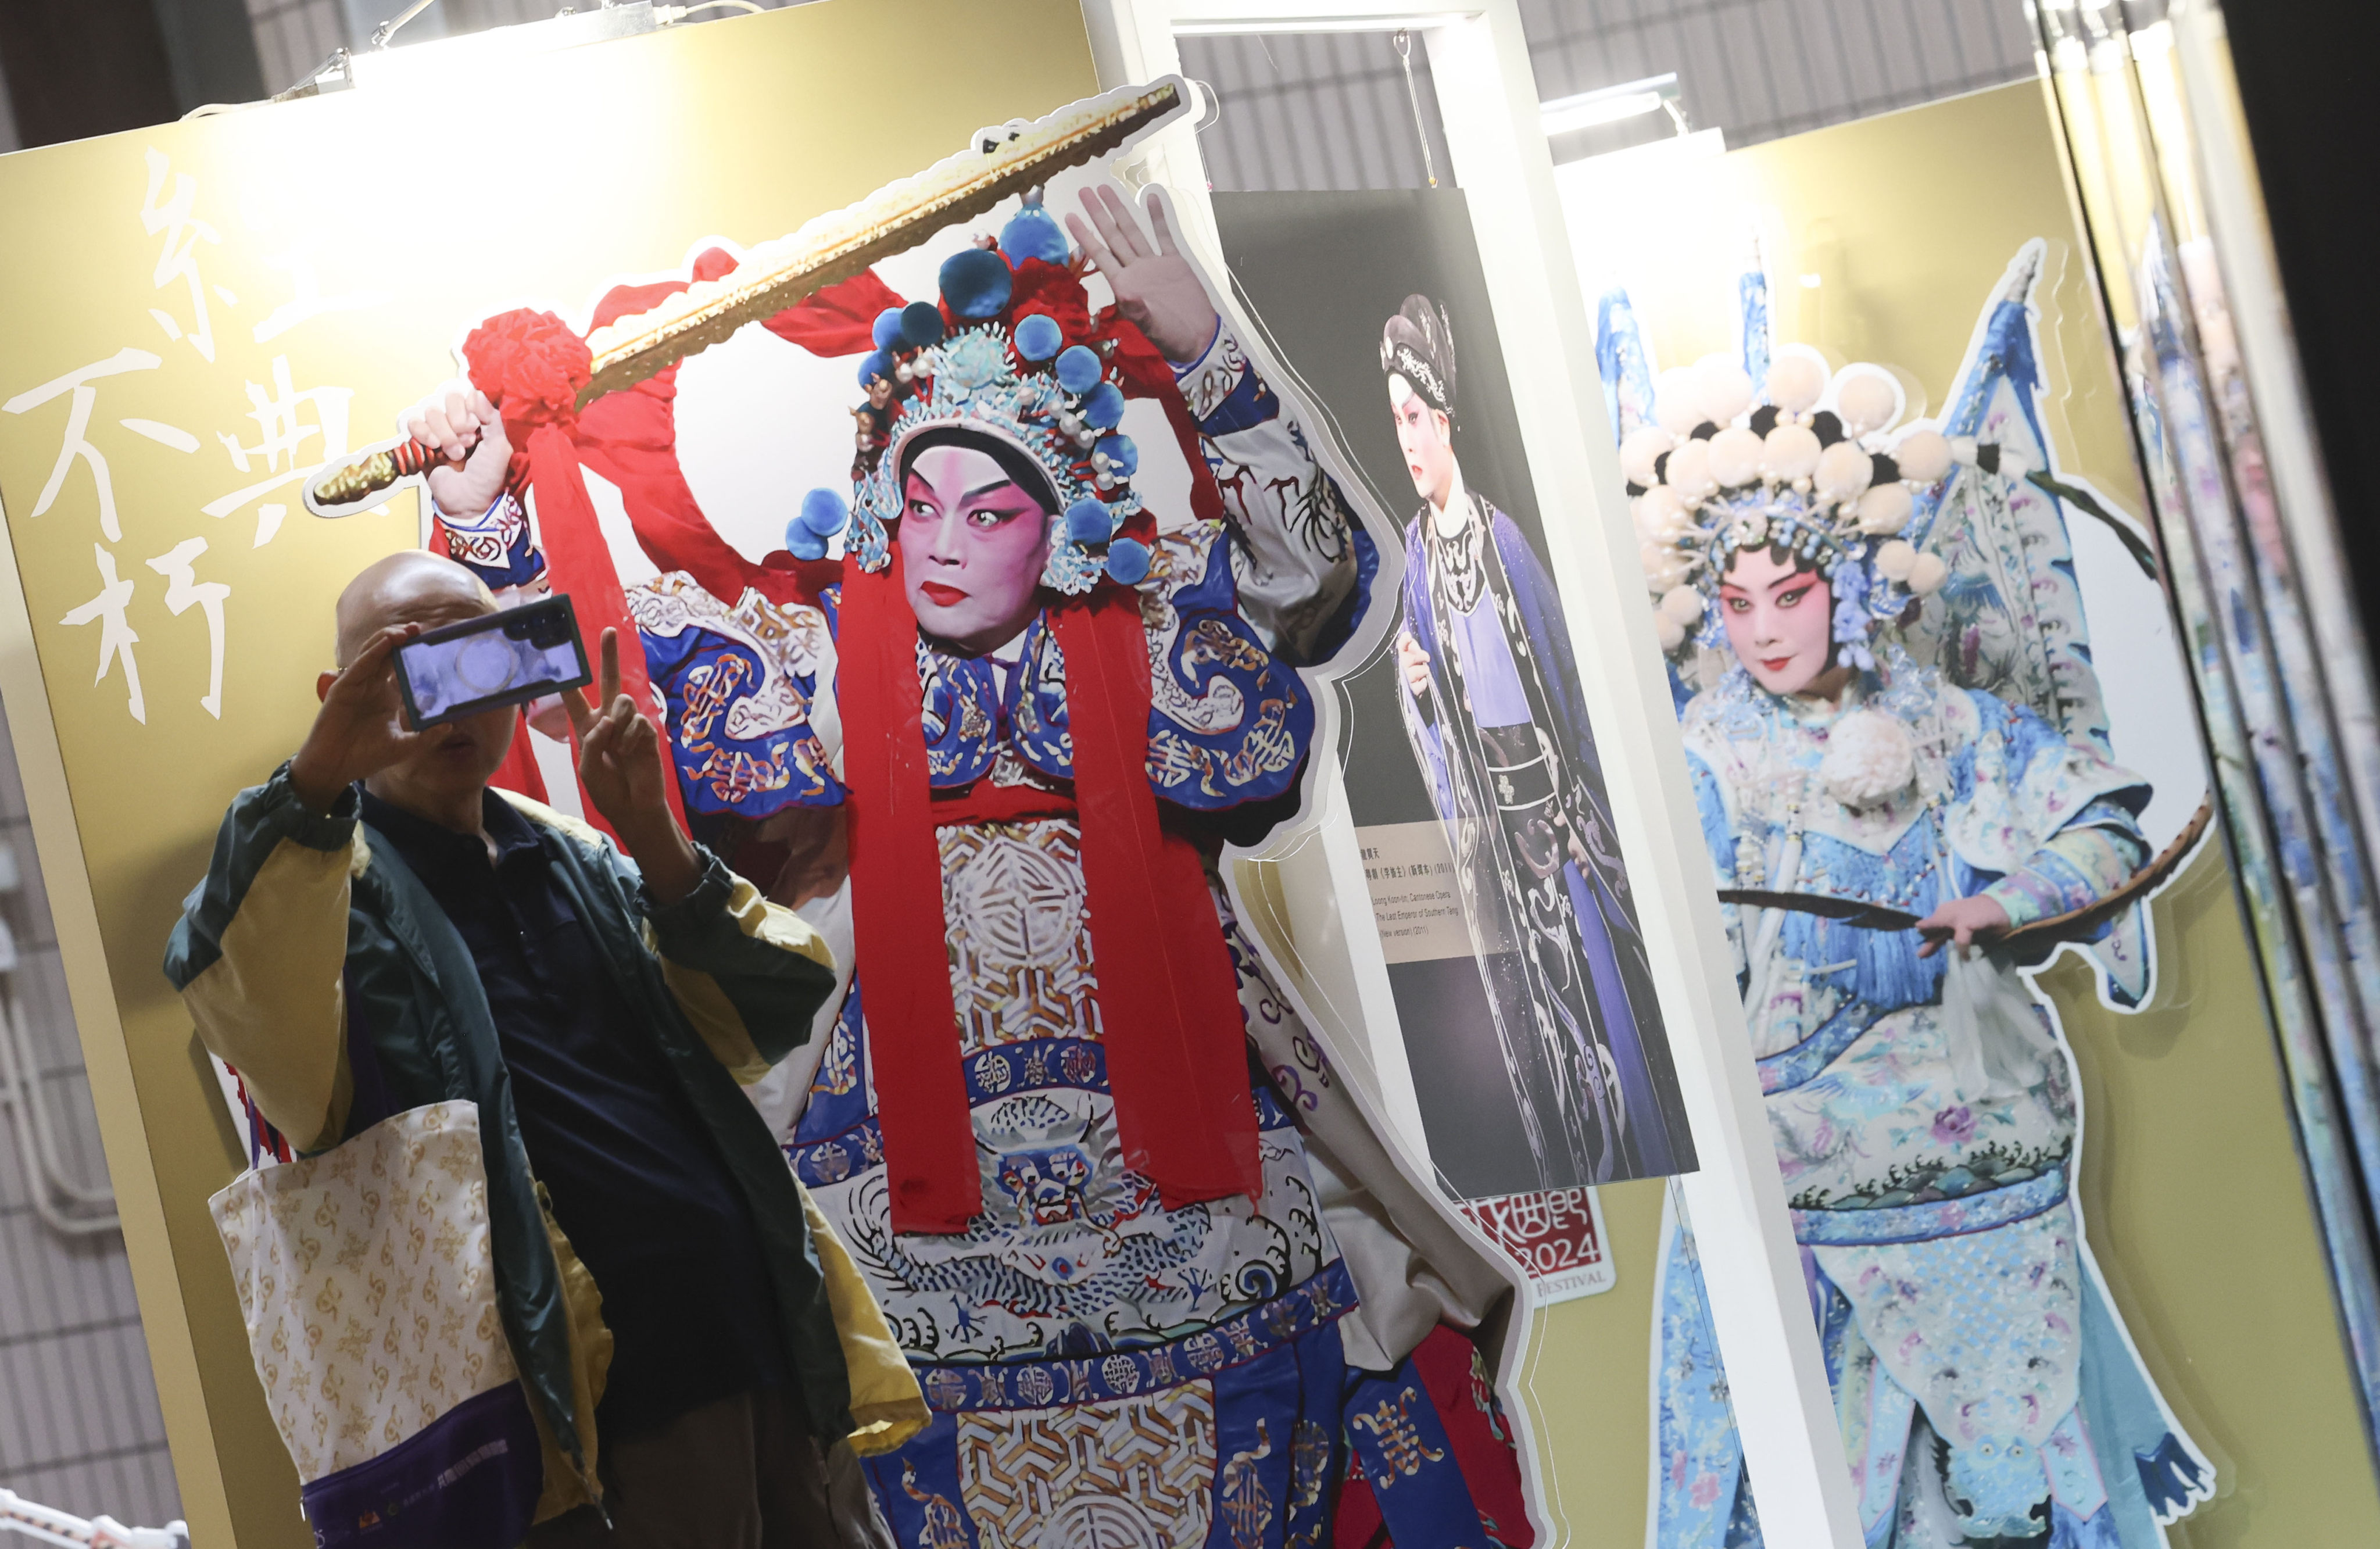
x: 1079, y: 369
x: 823, y: 512
x: 1104, y: 406
x: 976, y: 283
x: 887, y: 332
x: 922, y: 324
x: 1033, y: 232
x: 1038, y: 337
x: 1128, y: 561
x: 1088, y: 521
x: 877, y: 363
x: 1124, y: 457
x: 802, y: 544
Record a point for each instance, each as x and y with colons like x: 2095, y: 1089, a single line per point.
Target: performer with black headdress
x: 1491, y: 703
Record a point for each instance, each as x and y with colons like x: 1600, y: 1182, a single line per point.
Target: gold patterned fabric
x: 365, y: 1280
x: 1131, y: 1473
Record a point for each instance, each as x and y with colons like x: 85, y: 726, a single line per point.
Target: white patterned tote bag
x: 368, y: 1286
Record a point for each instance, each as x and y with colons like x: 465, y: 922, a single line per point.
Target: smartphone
x: 508, y: 657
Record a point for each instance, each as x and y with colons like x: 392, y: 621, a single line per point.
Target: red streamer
x: 577, y: 562
x: 896, y: 907
x: 1168, y: 992
x: 1168, y: 1010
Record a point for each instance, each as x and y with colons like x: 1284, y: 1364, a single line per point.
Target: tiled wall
x: 1322, y: 110
x: 79, y: 1423
x: 293, y: 36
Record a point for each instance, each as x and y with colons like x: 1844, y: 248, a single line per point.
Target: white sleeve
x: 1294, y: 552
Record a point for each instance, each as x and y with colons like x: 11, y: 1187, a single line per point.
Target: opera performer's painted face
x: 1779, y: 619
x: 1423, y: 436
x: 973, y: 544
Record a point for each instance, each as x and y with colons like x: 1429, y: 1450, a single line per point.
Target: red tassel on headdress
x: 631, y: 438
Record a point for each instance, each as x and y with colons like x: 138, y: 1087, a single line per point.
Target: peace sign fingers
x: 584, y: 715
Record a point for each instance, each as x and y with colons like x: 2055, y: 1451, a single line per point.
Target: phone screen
x: 508, y: 657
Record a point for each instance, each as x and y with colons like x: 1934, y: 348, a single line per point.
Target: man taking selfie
x: 654, y: 1260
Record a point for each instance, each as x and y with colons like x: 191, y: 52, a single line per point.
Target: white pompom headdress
x: 1805, y: 460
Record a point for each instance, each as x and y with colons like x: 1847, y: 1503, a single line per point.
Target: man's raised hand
x: 620, y: 765
x: 361, y: 728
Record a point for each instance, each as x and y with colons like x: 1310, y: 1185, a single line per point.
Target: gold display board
x: 2198, y: 1211
x: 196, y: 314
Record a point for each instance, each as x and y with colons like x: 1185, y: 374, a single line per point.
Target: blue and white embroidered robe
x: 1104, y: 1369
x: 1984, y: 1381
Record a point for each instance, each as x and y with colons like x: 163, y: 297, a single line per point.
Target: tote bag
x: 368, y: 1286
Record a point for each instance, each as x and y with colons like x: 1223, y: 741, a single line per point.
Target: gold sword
x: 365, y: 478
x: 841, y: 244
x: 783, y: 273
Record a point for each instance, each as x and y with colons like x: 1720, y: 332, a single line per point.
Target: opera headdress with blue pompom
x: 998, y: 357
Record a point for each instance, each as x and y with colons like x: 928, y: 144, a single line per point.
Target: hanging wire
x: 65, y: 1206
x: 1403, y: 43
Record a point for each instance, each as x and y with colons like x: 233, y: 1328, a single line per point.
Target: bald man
x: 379, y: 931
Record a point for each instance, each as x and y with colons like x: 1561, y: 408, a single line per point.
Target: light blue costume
x: 1924, y: 1111
x: 1985, y: 1385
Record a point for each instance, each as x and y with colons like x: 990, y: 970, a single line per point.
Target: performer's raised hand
x: 361, y: 729
x: 1155, y: 286
x: 1414, y: 661
x: 1962, y: 922
x: 620, y: 765
x: 462, y: 423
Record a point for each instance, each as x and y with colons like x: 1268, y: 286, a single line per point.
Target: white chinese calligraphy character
x: 115, y: 636
x: 182, y: 588
x: 310, y: 302
x: 283, y: 436
x: 177, y: 260
x: 78, y: 383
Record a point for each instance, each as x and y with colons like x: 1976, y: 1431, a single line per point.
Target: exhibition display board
x: 1328, y: 928
x: 1845, y: 240
x: 2281, y: 666
x: 1439, y: 514
x: 282, y: 327
x: 1838, y: 239
x: 204, y: 313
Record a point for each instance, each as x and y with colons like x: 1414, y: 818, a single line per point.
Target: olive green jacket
x: 315, y: 963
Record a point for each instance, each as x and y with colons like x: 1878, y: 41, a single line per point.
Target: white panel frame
x: 1488, y: 100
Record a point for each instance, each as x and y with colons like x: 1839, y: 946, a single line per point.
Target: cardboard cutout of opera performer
x: 1159, y: 1276
x: 1901, y: 758
x: 1490, y: 697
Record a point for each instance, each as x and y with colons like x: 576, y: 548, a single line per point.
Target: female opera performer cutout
x: 1922, y: 1105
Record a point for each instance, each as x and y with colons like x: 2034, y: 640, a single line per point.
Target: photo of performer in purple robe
x: 1490, y: 696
